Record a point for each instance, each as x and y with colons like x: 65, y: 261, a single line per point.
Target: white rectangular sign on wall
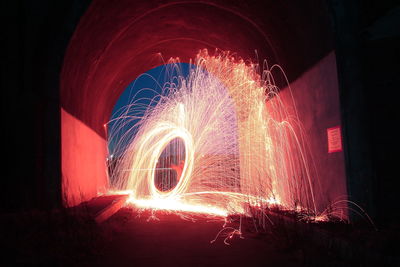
x: 334, y: 139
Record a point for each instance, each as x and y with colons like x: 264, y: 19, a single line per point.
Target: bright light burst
x: 238, y: 152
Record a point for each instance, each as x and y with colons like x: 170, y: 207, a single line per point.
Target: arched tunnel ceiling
x: 117, y: 41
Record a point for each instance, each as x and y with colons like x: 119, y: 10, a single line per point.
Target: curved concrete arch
x: 117, y: 41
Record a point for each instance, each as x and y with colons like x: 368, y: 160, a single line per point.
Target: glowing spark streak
x: 237, y: 152
x: 176, y: 205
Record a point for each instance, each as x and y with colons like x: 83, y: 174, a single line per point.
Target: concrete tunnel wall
x: 316, y: 99
x: 117, y: 41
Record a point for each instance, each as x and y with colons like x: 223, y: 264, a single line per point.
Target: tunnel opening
x: 142, y: 94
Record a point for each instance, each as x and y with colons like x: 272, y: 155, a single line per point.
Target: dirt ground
x: 130, y: 238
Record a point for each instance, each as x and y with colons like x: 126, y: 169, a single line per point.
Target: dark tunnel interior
x: 65, y: 64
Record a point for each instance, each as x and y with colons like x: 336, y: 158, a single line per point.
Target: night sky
x: 145, y: 90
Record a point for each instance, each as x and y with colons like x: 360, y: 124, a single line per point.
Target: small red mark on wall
x: 334, y: 139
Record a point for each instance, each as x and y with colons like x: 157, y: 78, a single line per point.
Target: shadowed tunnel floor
x: 174, y: 241
x: 70, y: 237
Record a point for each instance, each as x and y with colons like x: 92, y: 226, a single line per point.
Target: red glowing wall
x: 83, y: 161
x: 316, y: 98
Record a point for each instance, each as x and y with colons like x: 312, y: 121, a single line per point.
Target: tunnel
x: 66, y: 66
x: 116, y: 42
